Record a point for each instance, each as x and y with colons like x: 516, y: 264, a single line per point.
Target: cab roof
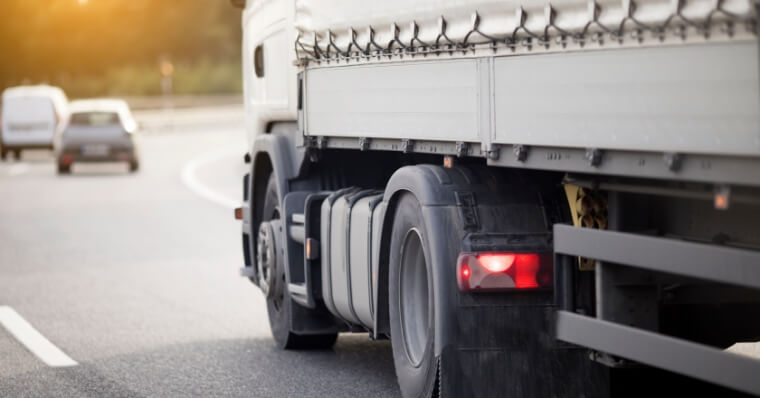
x: 99, y: 105
x: 31, y: 91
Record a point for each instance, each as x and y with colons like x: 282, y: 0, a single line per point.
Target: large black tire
x: 279, y: 304
x: 411, y: 302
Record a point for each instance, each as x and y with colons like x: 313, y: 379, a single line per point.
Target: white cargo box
x: 686, y: 99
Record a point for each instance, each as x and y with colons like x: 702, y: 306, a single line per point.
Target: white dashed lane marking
x: 33, y: 340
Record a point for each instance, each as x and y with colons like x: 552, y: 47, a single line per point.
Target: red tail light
x: 504, y: 271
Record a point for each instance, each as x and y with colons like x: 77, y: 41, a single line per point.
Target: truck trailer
x: 528, y: 198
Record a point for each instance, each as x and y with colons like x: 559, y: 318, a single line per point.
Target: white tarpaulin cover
x: 342, y: 26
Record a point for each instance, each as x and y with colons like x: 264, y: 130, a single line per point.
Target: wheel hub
x: 267, y: 251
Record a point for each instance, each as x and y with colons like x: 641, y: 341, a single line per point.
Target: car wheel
x: 134, y: 165
x: 278, y: 299
x: 64, y: 169
x: 411, y: 302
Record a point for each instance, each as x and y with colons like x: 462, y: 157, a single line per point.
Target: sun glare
x: 82, y: 2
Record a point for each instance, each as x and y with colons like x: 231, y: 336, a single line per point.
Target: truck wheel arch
x: 271, y: 153
x: 449, y: 196
x: 434, y: 188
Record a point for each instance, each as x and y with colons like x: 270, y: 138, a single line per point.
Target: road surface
x: 133, y: 279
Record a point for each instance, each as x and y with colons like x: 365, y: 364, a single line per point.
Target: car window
x: 94, y: 118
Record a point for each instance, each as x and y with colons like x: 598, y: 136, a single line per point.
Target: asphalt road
x: 134, y: 277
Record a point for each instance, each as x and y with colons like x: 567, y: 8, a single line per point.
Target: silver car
x: 99, y: 130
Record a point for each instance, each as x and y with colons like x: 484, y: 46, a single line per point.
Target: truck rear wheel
x: 411, y: 305
x: 279, y: 302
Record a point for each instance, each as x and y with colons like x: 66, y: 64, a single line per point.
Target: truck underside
x: 665, y: 261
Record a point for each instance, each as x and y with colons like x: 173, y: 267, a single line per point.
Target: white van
x: 32, y: 118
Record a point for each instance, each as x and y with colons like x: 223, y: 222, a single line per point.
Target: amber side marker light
x: 501, y: 271
x: 238, y: 213
x: 312, y: 249
x: 722, y: 198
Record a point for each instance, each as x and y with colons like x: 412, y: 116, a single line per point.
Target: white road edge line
x: 35, y: 342
x: 191, y: 181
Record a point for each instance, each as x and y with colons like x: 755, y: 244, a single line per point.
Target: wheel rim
x: 267, y: 253
x: 265, y: 257
x: 414, y: 300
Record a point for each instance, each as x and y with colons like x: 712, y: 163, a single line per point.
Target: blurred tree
x: 67, y: 42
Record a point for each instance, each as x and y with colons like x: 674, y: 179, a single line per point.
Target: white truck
x: 528, y: 198
x: 33, y: 118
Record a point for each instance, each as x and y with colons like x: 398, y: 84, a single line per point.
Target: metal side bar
x: 676, y: 355
x: 710, y: 262
x: 248, y: 269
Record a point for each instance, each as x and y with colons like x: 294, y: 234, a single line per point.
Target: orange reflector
x: 67, y: 159
x: 448, y: 162
x: 238, y: 213
x: 722, y: 198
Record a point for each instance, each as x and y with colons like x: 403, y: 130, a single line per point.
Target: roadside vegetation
x: 198, y: 77
x: 115, y: 47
